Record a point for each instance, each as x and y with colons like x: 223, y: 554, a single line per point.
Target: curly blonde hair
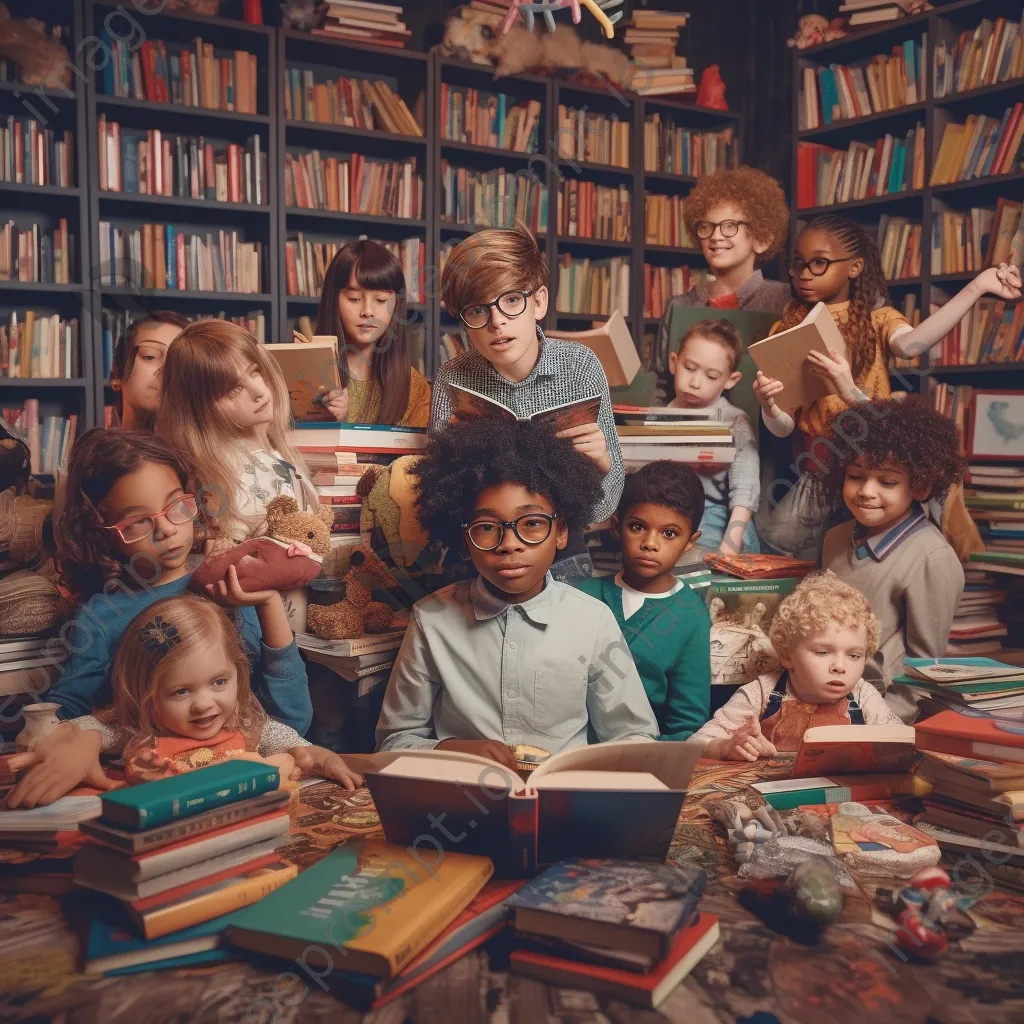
x: 757, y: 194
x: 820, y: 599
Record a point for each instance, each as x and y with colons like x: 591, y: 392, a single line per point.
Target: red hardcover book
x: 649, y: 990
x: 989, y: 739
x: 1004, y: 141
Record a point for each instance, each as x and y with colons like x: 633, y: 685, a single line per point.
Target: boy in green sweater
x: 665, y: 624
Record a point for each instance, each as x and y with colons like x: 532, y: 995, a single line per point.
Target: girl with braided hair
x: 836, y: 261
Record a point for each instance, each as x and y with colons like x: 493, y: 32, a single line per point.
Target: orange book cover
x: 855, y: 749
x: 994, y: 739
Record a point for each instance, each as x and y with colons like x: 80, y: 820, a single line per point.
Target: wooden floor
x: 848, y: 978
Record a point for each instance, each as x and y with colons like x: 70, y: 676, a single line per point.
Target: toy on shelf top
x: 42, y: 58
x: 597, y: 8
x: 813, y: 30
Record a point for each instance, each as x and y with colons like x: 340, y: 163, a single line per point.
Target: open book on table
x: 468, y: 404
x: 603, y: 800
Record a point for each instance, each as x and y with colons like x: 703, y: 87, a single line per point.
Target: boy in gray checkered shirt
x: 495, y: 282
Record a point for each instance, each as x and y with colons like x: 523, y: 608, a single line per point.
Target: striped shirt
x: 879, y: 545
x: 566, y: 371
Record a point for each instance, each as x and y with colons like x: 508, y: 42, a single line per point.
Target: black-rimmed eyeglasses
x: 706, y: 228
x: 817, y: 265
x: 512, y: 304
x: 531, y: 528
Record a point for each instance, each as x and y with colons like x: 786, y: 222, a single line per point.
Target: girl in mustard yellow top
x: 835, y: 261
x: 363, y: 305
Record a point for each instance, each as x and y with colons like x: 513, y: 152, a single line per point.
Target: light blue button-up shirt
x: 473, y: 667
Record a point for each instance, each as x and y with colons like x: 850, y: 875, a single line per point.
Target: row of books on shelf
x: 351, y: 20
x: 899, y: 246
x: 31, y: 155
x: 478, y: 118
x: 497, y: 198
x: 593, y: 137
x: 588, y: 210
x: 991, y: 52
x: 661, y: 284
x: 991, y: 332
x: 354, y: 102
x: 306, y: 263
x: 981, y: 147
x: 665, y: 221
x: 37, y: 255
x: 354, y: 184
x: 39, y: 345
x: 193, y: 77
x: 164, y: 257
x: 151, y: 163
x: 840, y: 92
x: 49, y: 437
x: 592, y: 287
x: 826, y: 176
x: 670, y: 148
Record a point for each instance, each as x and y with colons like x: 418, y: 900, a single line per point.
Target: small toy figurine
x: 547, y: 8
x: 931, y: 913
x: 813, y: 29
x: 711, y: 91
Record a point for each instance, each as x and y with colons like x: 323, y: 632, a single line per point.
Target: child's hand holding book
x: 588, y: 439
x: 336, y: 403
x: 766, y: 389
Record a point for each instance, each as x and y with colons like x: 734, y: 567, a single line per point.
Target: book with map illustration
x: 468, y: 404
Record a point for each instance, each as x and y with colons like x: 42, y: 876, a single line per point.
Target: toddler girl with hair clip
x: 225, y: 402
x: 836, y: 261
x: 182, y: 700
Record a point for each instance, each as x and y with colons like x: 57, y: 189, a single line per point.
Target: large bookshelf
x: 416, y: 77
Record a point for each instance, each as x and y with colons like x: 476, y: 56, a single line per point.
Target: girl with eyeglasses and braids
x: 836, y: 261
x: 123, y: 544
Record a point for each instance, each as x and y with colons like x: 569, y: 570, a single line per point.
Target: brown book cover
x: 468, y: 404
x: 311, y: 371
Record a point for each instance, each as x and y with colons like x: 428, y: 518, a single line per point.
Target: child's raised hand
x: 228, y: 592
x: 766, y: 390
x: 747, y: 743
x: 835, y: 371
x: 589, y: 440
x: 336, y: 403
x: 326, y: 764
x: 1002, y: 281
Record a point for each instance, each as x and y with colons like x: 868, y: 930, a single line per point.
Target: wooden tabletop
x: 846, y: 978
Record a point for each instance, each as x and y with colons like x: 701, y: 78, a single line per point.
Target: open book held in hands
x: 603, y: 800
x: 784, y: 357
x: 468, y: 404
x: 855, y: 750
x: 311, y: 373
x: 613, y: 345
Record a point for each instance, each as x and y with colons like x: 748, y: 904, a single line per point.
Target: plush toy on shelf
x: 813, y: 29
x: 41, y: 59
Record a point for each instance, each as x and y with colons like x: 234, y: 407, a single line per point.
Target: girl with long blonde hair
x: 225, y: 402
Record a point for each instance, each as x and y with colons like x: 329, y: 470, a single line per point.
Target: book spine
x: 522, y: 833
x: 830, y: 795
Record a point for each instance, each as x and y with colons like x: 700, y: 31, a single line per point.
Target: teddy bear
x: 813, y: 29
x: 469, y: 35
x: 361, y: 570
x: 40, y: 58
x: 290, y: 555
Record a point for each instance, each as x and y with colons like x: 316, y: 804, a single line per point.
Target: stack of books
x: 661, y: 284
x: 49, y: 437
x: 872, y: 12
x: 980, y: 147
x: 176, y: 853
x: 759, y: 567
x: 306, y: 264
x: 655, y: 68
x: 39, y: 345
x: 680, y: 435
x: 364, y: 660
x: 186, y: 166
x: 826, y: 176
x: 36, y: 255
x: 975, y: 764
x: 674, y: 149
x: 44, y: 829
x: 31, y: 156
x: 378, y: 188
x: 576, y: 926
x: 593, y: 137
x: 977, y: 627
x: 493, y: 199
x: 899, y: 243
x: 665, y: 221
x: 494, y: 120
x: 592, y: 287
x: 354, y: 102
x: 588, y: 210
x: 840, y: 93
x: 959, y: 682
x: 988, y: 54
x: 359, y: 22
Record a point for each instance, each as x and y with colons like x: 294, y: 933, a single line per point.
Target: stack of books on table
x: 626, y: 929
x: 962, y: 683
x: 680, y: 435
x: 366, y: 660
x: 975, y: 764
x: 174, y: 854
x: 360, y: 22
x: 43, y: 829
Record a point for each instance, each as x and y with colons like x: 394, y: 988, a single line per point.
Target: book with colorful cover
x: 961, y: 670
x: 370, y: 907
x: 855, y: 750
x: 786, y: 794
x: 648, y: 990
x: 971, y: 773
x: 637, y: 906
x: 988, y: 738
x: 357, y: 437
x: 740, y: 598
x: 759, y: 567
x: 872, y: 834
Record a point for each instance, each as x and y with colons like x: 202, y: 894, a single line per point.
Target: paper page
x: 636, y: 781
x: 670, y: 762
x: 574, y: 414
x: 468, y: 404
x: 437, y: 765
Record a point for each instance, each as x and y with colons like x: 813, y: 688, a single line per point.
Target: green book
x: 999, y: 557
x: 156, y: 803
x: 996, y: 502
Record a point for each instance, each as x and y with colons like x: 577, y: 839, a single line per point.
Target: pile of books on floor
x: 651, y: 38
x: 360, y: 22
x: 958, y: 683
x: 365, y: 660
x: 579, y: 924
x: 172, y: 858
x: 680, y: 435
x: 975, y: 811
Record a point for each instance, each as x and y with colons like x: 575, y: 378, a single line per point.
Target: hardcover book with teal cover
x: 156, y: 803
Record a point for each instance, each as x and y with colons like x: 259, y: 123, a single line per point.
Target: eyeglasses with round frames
x: 532, y: 528
x: 512, y: 304
x: 132, y: 529
x: 817, y: 265
x: 729, y: 228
